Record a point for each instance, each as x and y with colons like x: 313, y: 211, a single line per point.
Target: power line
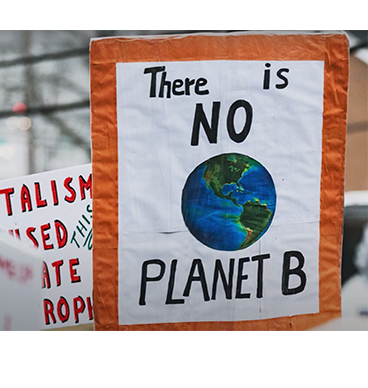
x: 82, y: 51
x: 45, y: 57
x: 48, y: 109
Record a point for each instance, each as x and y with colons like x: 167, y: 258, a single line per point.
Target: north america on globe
x: 228, y: 202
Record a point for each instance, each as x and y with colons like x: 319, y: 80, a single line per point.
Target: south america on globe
x: 228, y: 202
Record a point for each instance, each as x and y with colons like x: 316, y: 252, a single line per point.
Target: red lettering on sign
x: 74, y: 277
x: 61, y: 234
x: 57, y: 265
x: 46, y: 236
x: 28, y: 199
x: 45, y: 276
x: 39, y: 201
x: 25, y: 199
x: 7, y: 193
x: 78, y: 309
x: 8, y: 267
x: 63, y: 303
x: 15, y: 271
x: 73, y: 272
x: 54, y: 193
x: 48, y: 309
x: 63, y: 309
x: 29, y: 233
x: 83, y: 185
x: 14, y: 232
x: 72, y: 196
x: 25, y: 273
x: 90, y: 308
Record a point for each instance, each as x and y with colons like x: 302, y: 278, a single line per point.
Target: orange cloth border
x: 332, y: 48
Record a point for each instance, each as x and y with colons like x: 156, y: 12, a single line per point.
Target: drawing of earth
x: 228, y: 202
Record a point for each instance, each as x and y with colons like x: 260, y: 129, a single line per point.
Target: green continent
x: 254, y: 219
x: 225, y: 169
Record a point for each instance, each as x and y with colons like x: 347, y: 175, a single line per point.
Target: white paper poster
x: 53, y: 211
x: 20, y: 291
x: 219, y: 189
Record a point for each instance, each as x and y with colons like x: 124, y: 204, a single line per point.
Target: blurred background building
x: 44, y: 99
x: 45, y: 117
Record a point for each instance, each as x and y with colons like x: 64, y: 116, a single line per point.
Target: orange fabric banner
x: 277, y: 60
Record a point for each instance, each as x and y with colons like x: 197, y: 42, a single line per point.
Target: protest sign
x: 218, y: 165
x: 20, y: 279
x: 53, y: 211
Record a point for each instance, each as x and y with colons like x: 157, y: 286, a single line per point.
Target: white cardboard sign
x: 53, y: 211
x: 20, y: 291
x: 201, y: 115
